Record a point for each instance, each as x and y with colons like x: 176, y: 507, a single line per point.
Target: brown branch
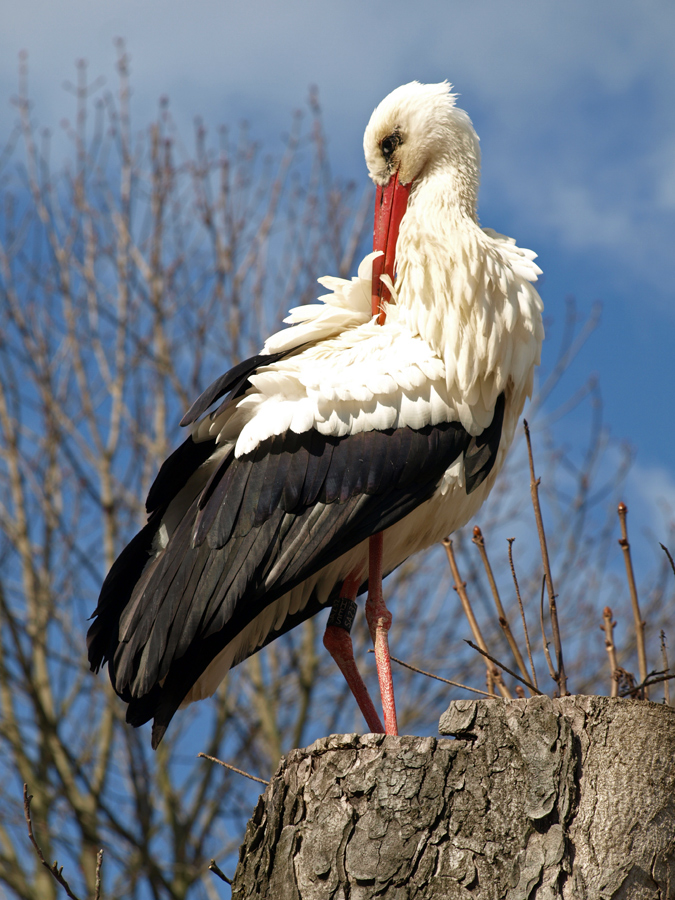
x: 527, y: 684
x: 55, y: 869
x: 99, y: 863
x: 666, y: 669
x: 215, y: 868
x: 652, y: 678
x: 479, y: 541
x: 543, y: 632
x: 608, y: 627
x: 522, y: 612
x: 625, y: 680
x: 233, y: 768
x: 560, y: 677
x: 437, y: 677
x: 630, y: 575
x: 460, y: 587
x: 670, y: 558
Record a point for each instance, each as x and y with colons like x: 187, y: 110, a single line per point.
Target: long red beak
x: 390, y: 206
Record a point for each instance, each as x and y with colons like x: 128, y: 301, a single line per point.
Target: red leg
x: 379, y: 622
x: 339, y: 644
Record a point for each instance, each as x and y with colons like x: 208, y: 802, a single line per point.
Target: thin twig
x: 664, y: 656
x: 652, y: 678
x: 543, y: 631
x: 215, y: 868
x: 561, y: 678
x: 468, y: 612
x: 505, y: 668
x: 522, y: 612
x: 630, y: 575
x: 56, y: 870
x: 99, y: 863
x: 479, y: 541
x: 624, y: 679
x: 670, y: 558
x: 233, y: 768
x: 608, y: 627
x: 437, y: 677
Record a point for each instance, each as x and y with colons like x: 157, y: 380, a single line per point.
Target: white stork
x: 347, y: 426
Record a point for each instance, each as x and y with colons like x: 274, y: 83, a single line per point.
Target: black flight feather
x: 343, y: 526
x: 275, y: 478
x: 320, y: 449
x: 120, y: 582
x: 176, y: 470
x: 234, y: 381
x: 226, y: 504
x: 295, y: 479
x: 481, y: 453
x: 270, y: 520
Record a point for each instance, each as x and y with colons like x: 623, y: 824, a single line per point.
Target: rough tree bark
x: 539, y: 798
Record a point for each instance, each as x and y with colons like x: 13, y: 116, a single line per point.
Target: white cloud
x: 520, y: 57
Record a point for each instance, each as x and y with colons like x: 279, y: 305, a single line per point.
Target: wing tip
x: 158, y: 732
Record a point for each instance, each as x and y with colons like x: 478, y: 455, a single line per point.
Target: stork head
x: 414, y: 133
x: 418, y: 129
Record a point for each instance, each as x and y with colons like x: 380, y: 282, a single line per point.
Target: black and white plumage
x: 340, y: 429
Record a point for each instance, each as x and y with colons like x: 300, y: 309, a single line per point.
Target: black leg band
x: 342, y: 614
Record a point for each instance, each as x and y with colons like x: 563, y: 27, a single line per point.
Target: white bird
x: 345, y: 427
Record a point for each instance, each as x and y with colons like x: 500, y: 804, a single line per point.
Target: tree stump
x: 538, y: 798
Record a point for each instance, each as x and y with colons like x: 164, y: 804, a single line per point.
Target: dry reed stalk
x: 498, y: 662
x: 522, y: 612
x: 438, y: 677
x: 666, y: 668
x: 608, y: 627
x: 232, y: 768
x: 544, y: 639
x: 479, y: 541
x: 630, y: 575
x: 460, y: 586
x: 560, y: 677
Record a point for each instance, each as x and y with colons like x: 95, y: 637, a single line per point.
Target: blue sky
x: 574, y: 103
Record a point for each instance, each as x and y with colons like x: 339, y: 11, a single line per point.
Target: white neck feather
x: 466, y: 291
x: 437, y: 254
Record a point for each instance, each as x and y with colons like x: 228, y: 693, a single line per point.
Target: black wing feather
x: 272, y: 519
x: 213, y: 482
x: 298, y: 459
x: 239, y: 571
x: 254, y: 486
x: 235, y: 381
x: 481, y: 453
x: 226, y: 502
x: 178, y: 626
x: 320, y: 449
x: 378, y: 452
x: 354, y: 473
x: 175, y: 472
x: 275, y: 478
x: 123, y: 576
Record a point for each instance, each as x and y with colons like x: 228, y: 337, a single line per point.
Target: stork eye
x: 389, y: 144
